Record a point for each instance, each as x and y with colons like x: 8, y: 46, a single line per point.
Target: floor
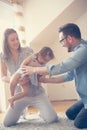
x: 59, y: 106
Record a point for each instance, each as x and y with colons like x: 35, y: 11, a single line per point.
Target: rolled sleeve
x: 69, y: 76
x: 49, y: 68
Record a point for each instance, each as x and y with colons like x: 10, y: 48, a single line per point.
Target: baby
x: 38, y: 59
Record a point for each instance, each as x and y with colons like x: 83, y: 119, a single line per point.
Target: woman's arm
x: 3, y: 70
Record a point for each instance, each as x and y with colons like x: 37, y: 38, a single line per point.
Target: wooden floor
x: 59, y: 106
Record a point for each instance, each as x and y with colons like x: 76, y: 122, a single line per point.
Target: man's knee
x: 80, y: 124
x: 81, y: 119
x: 70, y: 114
x: 73, y: 111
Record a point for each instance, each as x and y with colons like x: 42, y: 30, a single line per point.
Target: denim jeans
x: 78, y: 113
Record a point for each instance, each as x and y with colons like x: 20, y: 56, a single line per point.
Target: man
x: 73, y: 68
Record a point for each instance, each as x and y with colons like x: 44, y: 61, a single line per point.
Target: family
x: 28, y: 70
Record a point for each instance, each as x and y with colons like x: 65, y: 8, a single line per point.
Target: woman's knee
x: 9, y: 121
x: 51, y: 118
x: 6, y: 123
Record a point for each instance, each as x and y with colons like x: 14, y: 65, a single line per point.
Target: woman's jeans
x: 78, y: 113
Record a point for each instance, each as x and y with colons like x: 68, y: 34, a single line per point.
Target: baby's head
x: 45, y: 55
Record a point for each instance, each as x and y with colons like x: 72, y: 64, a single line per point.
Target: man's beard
x: 69, y: 49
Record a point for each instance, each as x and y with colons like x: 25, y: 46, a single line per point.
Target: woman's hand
x: 5, y: 79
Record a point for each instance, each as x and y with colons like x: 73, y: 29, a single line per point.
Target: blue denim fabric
x: 74, y: 67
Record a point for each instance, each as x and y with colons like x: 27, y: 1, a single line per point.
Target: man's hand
x: 42, y: 79
x: 28, y: 70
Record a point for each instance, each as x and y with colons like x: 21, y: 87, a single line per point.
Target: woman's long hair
x: 5, y: 47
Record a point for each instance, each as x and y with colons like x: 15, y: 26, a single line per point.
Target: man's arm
x: 54, y: 80
x: 74, y: 61
x: 28, y: 70
x: 69, y: 76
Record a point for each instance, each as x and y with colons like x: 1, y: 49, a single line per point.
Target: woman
x: 12, y: 55
x: 36, y: 98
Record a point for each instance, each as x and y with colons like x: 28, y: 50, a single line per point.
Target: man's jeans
x: 78, y: 113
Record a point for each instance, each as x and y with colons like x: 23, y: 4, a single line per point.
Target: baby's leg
x: 13, y: 115
x: 11, y: 102
x: 13, y: 83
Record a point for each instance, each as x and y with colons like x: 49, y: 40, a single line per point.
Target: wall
x: 66, y: 90
x: 6, y: 18
x: 82, y: 23
x: 63, y: 91
x: 6, y: 21
x: 38, y: 14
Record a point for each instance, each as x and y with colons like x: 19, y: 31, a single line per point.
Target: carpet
x: 34, y: 122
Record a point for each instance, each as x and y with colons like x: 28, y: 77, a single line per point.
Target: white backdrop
x: 6, y: 21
